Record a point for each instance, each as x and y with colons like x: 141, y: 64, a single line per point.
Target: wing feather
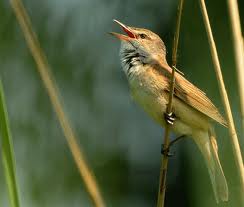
x: 193, y: 96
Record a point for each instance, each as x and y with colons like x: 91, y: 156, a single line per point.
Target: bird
x: 143, y: 60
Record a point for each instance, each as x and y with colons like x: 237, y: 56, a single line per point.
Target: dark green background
x: 122, y: 145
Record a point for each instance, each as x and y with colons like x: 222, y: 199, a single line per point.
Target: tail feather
x: 207, y: 144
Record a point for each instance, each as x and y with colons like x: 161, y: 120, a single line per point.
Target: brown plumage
x: 193, y: 96
x: 143, y: 58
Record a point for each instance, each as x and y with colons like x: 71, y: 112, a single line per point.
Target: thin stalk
x: 51, y: 87
x: 239, y: 50
x: 8, y: 152
x: 224, y: 96
x: 164, y: 158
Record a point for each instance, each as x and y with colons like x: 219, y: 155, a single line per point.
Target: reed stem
x: 51, y: 87
x: 165, y: 158
x: 224, y: 96
x: 238, y: 49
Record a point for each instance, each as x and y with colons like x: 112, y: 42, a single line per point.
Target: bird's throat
x: 131, y: 60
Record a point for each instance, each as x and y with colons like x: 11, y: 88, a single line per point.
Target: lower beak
x: 128, y: 31
x: 120, y: 36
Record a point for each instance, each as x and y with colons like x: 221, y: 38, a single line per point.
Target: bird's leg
x: 176, y: 140
x: 169, y: 118
x: 166, y: 151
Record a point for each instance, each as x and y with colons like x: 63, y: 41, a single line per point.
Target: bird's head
x: 140, y: 43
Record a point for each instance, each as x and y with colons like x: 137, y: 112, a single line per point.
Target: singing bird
x: 143, y: 58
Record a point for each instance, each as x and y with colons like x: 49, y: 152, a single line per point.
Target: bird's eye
x: 143, y: 36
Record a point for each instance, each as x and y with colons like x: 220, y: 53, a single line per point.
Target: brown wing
x: 194, y: 97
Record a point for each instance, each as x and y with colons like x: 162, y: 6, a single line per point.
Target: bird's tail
x: 207, y: 144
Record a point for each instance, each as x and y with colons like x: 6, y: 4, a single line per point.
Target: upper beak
x: 127, y: 29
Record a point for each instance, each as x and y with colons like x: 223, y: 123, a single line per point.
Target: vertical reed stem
x: 239, y: 50
x: 224, y: 96
x: 164, y: 158
x: 51, y: 87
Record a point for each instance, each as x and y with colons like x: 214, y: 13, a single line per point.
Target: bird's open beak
x: 128, y: 31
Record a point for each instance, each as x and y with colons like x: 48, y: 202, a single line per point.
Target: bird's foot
x: 166, y: 150
x: 169, y: 118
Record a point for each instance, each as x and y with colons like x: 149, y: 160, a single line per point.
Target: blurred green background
x: 121, y: 143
